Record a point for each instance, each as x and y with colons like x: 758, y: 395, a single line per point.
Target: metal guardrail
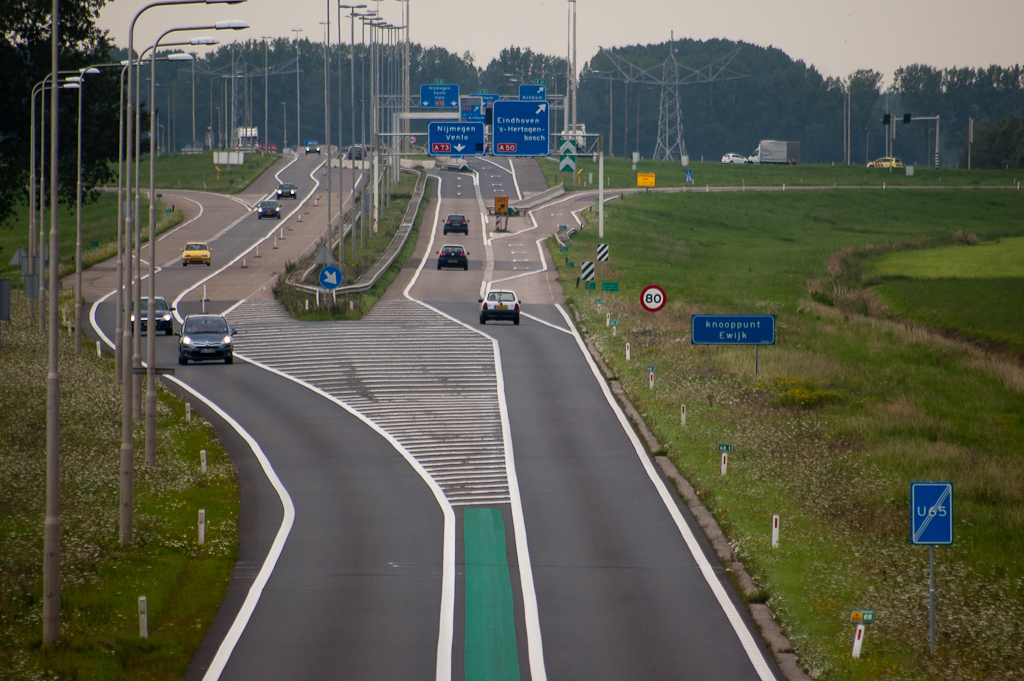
x: 387, y: 258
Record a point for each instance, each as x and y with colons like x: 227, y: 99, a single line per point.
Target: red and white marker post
x: 775, y: 531
x: 858, y: 642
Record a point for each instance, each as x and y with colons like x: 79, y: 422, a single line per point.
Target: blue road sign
x: 489, y: 99
x: 521, y: 128
x: 439, y: 96
x: 455, y: 139
x: 732, y: 329
x: 931, y: 513
x: 473, y: 113
x: 330, y: 277
x: 533, y: 93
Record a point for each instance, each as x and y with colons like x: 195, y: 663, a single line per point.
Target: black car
x: 287, y: 191
x: 268, y: 209
x: 162, y: 316
x: 205, y: 337
x: 456, y: 223
x: 312, y: 147
x: 452, y: 256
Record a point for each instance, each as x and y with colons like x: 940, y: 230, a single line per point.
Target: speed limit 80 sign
x: 652, y: 298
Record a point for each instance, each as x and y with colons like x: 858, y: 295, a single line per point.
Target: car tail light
x: 485, y: 306
x: 517, y: 307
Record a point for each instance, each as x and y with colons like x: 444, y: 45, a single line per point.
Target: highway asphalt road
x: 425, y: 496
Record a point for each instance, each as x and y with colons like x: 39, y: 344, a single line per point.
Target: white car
x: 734, y: 158
x: 500, y: 305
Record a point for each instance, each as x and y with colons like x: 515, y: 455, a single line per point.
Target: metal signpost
x: 736, y: 329
x: 521, y: 128
x: 439, y: 96
x: 455, y: 139
x: 931, y: 524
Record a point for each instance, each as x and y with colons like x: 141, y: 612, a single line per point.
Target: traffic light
x: 907, y: 118
x: 886, y: 119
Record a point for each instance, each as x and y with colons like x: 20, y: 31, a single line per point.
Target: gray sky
x: 836, y: 36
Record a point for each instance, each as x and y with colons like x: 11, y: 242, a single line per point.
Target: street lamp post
x: 78, y: 216
x: 327, y: 129
x: 352, y: 90
x: 298, y: 98
x: 151, y: 307
x: 266, y: 117
x: 127, y: 447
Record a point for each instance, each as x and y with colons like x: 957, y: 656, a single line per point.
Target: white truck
x: 776, y: 151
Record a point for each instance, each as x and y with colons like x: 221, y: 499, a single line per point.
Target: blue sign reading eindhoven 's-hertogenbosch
x: 521, y: 128
x: 732, y: 329
x: 931, y: 513
x: 455, y: 139
x: 439, y: 96
x: 533, y: 93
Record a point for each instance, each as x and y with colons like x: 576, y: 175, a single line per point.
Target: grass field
x: 99, y: 234
x: 850, y: 406
x: 198, y: 171
x: 101, y: 581
x: 619, y: 173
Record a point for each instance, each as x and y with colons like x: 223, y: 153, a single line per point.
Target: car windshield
x: 287, y: 187
x: 501, y: 297
x: 195, y: 247
x: 268, y: 204
x: 160, y: 304
x: 206, y: 325
x: 452, y: 250
x: 456, y: 218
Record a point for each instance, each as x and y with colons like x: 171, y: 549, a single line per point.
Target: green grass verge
x: 101, y: 580
x: 354, y: 305
x: 99, y: 234
x: 850, y: 407
x: 198, y: 171
x: 619, y: 173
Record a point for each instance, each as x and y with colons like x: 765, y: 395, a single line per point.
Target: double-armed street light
x: 233, y: 25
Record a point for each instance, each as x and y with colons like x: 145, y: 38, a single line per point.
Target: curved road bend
x: 571, y: 559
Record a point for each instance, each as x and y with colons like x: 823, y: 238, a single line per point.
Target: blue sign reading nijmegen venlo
x: 732, y: 329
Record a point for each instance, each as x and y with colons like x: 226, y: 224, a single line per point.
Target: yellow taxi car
x: 886, y: 162
x: 195, y: 253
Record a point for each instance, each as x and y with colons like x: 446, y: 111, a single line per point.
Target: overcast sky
x: 835, y: 36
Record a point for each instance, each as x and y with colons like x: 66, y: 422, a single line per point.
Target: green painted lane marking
x: 490, y: 621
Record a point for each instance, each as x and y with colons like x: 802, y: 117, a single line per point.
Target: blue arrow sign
x: 533, y: 93
x: 489, y: 99
x: 330, y: 277
x: 473, y: 113
x: 931, y: 513
x: 455, y: 139
x: 439, y: 96
x: 732, y: 329
x: 521, y: 128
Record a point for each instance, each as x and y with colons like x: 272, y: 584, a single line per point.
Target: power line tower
x: 670, y: 145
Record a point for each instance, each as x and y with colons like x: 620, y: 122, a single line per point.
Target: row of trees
x: 265, y: 84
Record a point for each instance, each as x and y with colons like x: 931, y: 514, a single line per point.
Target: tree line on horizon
x: 777, y: 97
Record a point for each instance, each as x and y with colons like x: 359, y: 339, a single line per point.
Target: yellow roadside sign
x: 500, y: 204
x: 645, y: 179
